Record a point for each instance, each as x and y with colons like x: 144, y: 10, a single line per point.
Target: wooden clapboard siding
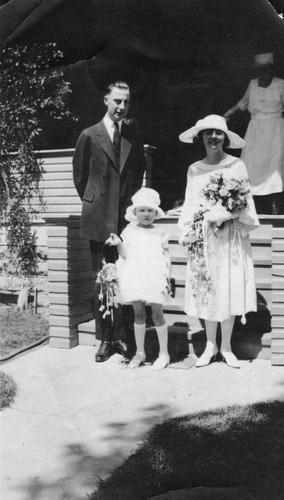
x: 59, y: 194
x: 277, y: 308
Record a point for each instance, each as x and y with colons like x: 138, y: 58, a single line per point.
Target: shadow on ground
x: 229, y: 447
x: 82, y: 469
x: 226, y: 447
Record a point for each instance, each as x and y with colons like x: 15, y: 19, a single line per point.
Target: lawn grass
x: 19, y: 329
x: 229, y: 447
x: 8, y: 389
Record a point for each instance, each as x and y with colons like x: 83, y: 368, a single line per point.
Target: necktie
x: 116, y: 142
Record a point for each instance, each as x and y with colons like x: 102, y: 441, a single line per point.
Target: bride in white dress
x: 228, y: 253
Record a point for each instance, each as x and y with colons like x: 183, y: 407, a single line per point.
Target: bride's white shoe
x: 206, y: 358
x: 230, y: 359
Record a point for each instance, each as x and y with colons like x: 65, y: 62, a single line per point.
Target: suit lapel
x: 103, y: 138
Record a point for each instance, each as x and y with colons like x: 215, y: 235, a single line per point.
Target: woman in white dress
x: 221, y: 285
x: 263, y: 153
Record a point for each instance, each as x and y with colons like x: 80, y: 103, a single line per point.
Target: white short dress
x: 263, y: 153
x: 143, y: 275
x: 229, y: 256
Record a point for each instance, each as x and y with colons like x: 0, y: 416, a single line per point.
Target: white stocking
x: 139, y: 333
x: 211, y: 332
x: 227, y: 329
x: 162, y: 332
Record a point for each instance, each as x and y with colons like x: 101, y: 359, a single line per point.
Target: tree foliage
x: 32, y: 88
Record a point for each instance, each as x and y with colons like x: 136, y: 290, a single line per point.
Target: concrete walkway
x: 75, y: 420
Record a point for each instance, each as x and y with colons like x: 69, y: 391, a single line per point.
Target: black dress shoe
x: 104, y: 352
x: 120, y: 346
x: 131, y: 350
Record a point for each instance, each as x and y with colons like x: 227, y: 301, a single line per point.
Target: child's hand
x: 113, y: 240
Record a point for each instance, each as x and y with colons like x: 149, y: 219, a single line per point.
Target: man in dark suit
x: 108, y: 168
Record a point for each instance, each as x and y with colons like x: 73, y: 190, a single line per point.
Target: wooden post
x: 70, y: 281
x: 148, y: 150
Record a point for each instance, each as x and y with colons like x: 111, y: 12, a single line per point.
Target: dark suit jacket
x: 104, y: 191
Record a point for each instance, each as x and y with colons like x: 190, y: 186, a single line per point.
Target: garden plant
x: 32, y: 88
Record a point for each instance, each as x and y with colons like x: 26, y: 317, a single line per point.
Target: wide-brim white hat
x: 216, y: 122
x: 145, y: 197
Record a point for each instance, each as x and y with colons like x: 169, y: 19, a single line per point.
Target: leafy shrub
x: 31, y: 88
x: 8, y: 389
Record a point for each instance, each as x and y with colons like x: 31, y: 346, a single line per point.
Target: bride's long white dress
x: 229, y: 258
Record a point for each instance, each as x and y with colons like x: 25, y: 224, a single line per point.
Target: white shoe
x: 206, y: 358
x: 161, y: 362
x: 137, y: 360
x: 230, y: 359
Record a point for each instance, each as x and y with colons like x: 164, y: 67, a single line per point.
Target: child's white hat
x: 145, y: 197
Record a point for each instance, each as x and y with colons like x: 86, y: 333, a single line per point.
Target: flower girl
x: 144, y: 270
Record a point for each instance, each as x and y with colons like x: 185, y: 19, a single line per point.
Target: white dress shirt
x: 109, y: 124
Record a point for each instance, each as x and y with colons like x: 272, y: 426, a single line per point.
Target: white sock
x: 211, y: 332
x: 227, y: 330
x: 139, y: 333
x: 162, y: 332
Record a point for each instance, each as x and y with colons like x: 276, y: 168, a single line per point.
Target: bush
x: 8, y: 389
x: 31, y: 89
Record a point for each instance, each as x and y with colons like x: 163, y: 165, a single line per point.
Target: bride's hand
x: 217, y: 227
x: 217, y: 215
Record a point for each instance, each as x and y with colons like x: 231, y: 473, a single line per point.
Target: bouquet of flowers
x: 231, y: 194
x: 108, y: 280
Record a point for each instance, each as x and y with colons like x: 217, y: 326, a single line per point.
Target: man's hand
x: 113, y: 240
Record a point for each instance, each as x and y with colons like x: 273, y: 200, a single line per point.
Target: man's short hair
x: 118, y: 84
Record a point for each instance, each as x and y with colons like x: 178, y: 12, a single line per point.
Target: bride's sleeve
x: 248, y: 216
